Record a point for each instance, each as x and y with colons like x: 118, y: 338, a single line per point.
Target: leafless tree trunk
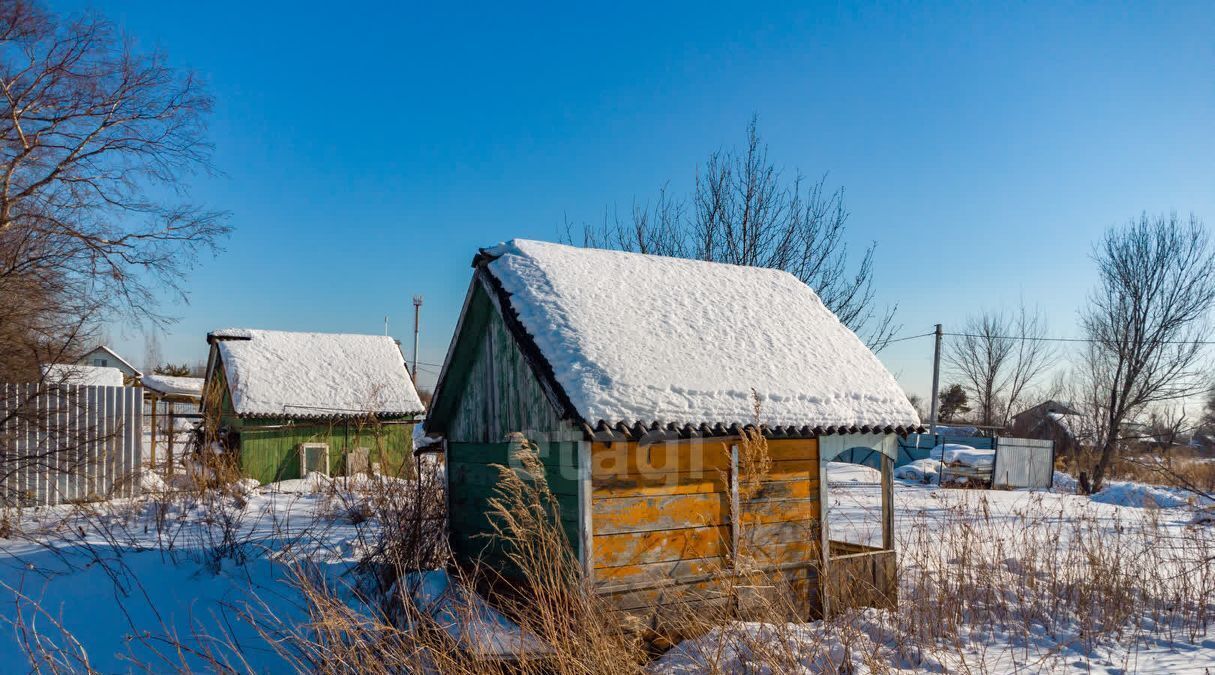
x: 1145, y: 320
x: 998, y: 358
x: 744, y: 211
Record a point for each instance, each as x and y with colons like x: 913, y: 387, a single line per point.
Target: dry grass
x: 1042, y: 581
x: 980, y: 592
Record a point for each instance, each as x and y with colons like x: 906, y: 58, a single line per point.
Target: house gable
x: 103, y: 357
x: 490, y: 390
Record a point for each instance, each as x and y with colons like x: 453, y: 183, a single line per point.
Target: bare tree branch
x: 743, y: 211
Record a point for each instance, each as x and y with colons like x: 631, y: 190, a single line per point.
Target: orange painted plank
x: 658, y: 484
x: 666, y: 512
x: 690, y: 457
x: 639, y: 548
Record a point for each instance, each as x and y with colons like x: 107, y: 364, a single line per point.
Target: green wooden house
x: 633, y: 378
x: 288, y: 403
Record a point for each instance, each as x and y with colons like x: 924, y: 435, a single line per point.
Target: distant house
x: 288, y: 404
x: 70, y: 373
x: 633, y: 378
x: 1051, y: 421
x: 104, y: 357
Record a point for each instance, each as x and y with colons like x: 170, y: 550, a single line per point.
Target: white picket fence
x: 65, y: 443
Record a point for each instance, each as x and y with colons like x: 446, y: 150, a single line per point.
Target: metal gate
x: 1024, y: 463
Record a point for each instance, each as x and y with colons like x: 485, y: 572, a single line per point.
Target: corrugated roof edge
x: 385, y: 416
x: 639, y: 430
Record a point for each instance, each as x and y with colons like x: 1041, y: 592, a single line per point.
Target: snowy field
x: 128, y: 579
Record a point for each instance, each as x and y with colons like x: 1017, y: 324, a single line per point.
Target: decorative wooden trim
x: 451, y: 347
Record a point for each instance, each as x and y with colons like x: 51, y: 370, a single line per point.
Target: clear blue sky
x: 367, y: 151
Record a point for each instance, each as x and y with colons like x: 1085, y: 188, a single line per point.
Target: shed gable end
x: 491, y: 390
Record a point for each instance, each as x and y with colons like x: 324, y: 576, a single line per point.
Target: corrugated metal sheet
x: 65, y: 443
x: 1024, y: 463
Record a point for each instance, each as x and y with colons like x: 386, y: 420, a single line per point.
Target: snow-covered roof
x: 639, y: 338
x: 173, y: 385
x: 70, y: 373
x: 281, y: 373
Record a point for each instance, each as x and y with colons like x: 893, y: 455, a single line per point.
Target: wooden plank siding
x: 474, y: 474
x: 663, y: 527
x: 499, y: 394
x: 269, y: 448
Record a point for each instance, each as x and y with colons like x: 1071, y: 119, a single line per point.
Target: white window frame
x: 304, y: 447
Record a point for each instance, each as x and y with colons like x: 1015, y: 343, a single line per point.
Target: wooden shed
x: 172, y: 409
x: 287, y: 404
x: 633, y: 378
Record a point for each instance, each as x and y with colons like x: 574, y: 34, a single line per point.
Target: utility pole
x: 936, y: 382
x: 417, y: 311
x: 385, y: 324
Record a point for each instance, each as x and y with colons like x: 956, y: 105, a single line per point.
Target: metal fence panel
x: 61, y: 443
x: 1024, y: 463
x: 918, y: 446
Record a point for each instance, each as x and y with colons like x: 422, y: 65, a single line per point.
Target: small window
x: 314, y: 458
x: 102, y: 363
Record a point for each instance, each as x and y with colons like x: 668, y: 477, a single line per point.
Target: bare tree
x: 1145, y: 321
x: 998, y: 357
x: 96, y: 140
x: 744, y: 211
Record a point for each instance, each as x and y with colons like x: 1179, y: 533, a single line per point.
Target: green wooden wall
x: 272, y: 453
x: 492, y: 393
x: 473, y: 476
x: 495, y: 391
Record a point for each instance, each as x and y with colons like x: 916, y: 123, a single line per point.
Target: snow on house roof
x: 70, y: 373
x: 314, y: 374
x: 640, y: 338
x: 173, y: 385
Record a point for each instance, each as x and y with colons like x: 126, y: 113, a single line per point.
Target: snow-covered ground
x: 122, y: 579
x: 927, y: 516
x: 124, y: 576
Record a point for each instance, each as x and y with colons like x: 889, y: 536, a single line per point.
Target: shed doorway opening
x: 858, y: 527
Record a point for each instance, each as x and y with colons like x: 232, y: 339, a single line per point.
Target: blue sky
x: 367, y: 151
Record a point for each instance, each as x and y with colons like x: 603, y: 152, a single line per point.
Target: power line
x: 909, y: 337
x: 1036, y: 338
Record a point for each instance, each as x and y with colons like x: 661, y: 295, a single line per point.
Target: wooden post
x: 735, y: 506
x: 585, y: 508
x: 171, y: 434
x: 155, y: 402
x: 887, y: 503
x: 824, y: 500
